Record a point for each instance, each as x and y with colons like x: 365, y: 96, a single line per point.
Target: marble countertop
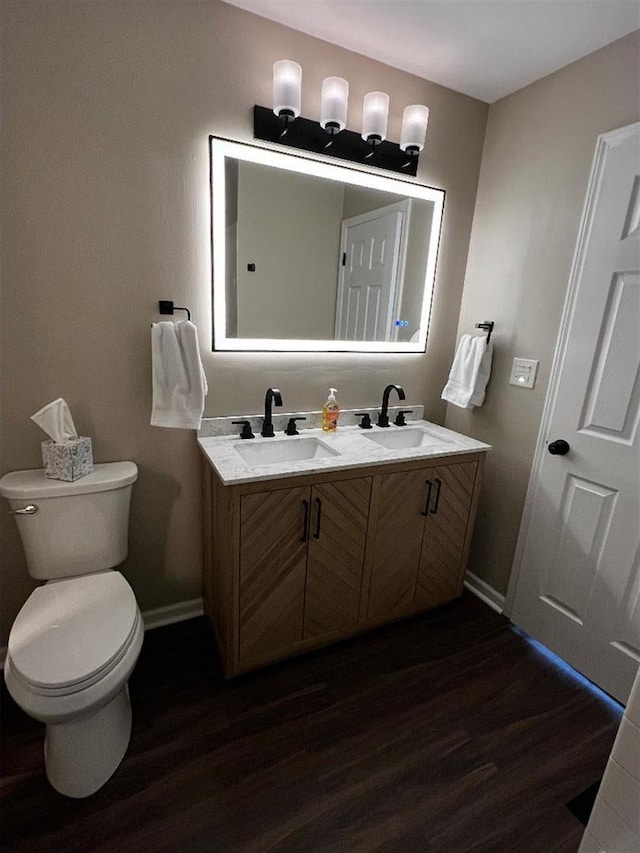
x: 350, y: 445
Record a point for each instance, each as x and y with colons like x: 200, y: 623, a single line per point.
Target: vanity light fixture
x: 375, y: 114
x: 287, y: 90
x: 414, y: 129
x: 284, y: 124
x: 333, y: 112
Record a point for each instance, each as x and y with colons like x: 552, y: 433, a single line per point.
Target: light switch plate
x: 523, y: 372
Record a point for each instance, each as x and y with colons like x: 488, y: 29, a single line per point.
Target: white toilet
x: 76, y: 641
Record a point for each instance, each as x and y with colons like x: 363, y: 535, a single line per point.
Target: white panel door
x: 578, y: 580
x: 369, y: 276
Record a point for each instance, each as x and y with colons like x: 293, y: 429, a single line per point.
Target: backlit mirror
x: 311, y: 256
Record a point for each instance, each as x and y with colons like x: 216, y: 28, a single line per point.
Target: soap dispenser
x: 330, y: 412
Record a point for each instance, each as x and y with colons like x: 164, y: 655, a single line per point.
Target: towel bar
x: 166, y: 306
x: 487, y: 326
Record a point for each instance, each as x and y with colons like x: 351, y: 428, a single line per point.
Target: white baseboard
x: 484, y: 591
x: 173, y: 613
x: 156, y: 618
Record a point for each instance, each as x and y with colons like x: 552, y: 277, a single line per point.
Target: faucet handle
x: 365, y: 423
x: 400, y: 421
x: 291, y: 426
x: 246, y: 429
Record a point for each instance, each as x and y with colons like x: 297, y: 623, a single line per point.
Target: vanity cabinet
x: 301, y: 558
x: 296, y: 563
x: 419, y: 540
x: 272, y: 572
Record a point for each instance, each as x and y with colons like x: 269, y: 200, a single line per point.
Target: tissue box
x: 68, y: 461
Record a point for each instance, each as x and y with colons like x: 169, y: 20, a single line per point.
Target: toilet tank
x: 79, y: 527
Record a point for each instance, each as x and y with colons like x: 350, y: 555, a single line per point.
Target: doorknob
x: 559, y: 447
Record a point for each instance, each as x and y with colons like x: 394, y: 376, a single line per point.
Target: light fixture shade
x: 335, y: 97
x: 287, y: 88
x: 375, y: 112
x: 414, y: 127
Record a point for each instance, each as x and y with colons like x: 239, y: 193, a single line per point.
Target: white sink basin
x: 272, y: 451
x: 405, y: 437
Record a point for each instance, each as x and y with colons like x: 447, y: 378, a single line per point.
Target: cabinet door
x: 439, y: 578
x: 336, y: 555
x: 398, y: 542
x: 273, y: 553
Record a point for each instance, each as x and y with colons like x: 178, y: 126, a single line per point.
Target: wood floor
x: 449, y: 733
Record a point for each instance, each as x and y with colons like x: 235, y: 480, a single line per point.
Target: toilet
x: 77, y: 638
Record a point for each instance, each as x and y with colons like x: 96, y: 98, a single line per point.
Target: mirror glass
x: 308, y: 255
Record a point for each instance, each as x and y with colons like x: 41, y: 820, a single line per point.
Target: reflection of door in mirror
x: 373, y: 248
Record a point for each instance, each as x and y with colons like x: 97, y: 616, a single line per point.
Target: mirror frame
x: 223, y: 148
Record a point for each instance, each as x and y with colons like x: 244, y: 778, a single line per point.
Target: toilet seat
x: 53, y: 706
x: 72, y: 632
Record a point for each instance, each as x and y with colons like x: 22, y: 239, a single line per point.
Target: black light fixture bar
x: 308, y: 135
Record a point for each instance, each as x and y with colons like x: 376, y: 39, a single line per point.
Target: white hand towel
x: 179, y: 383
x: 470, y: 372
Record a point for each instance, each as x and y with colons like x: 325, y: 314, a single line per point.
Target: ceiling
x: 483, y: 48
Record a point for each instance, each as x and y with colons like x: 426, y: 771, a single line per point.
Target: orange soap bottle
x: 330, y: 412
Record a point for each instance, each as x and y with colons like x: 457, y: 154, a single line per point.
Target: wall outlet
x: 523, y: 372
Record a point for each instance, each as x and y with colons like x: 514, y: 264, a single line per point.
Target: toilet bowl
x: 77, y: 638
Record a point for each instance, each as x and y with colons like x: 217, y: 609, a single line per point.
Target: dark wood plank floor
x: 448, y: 733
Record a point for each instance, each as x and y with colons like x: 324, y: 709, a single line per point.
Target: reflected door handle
x: 560, y: 447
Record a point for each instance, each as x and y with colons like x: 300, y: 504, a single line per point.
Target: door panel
x: 440, y: 574
x: 611, y: 400
x: 398, y: 543
x: 584, y: 517
x: 577, y: 589
x: 272, y: 571
x: 334, y: 569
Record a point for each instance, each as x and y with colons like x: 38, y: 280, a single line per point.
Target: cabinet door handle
x: 425, y: 511
x: 305, y: 523
x: 439, y: 486
x: 316, y: 535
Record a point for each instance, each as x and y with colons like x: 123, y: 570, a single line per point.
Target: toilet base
x: 82, y: 754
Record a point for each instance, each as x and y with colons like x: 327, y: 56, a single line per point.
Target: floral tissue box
x: 68, y: 461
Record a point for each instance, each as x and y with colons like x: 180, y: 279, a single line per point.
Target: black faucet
x: 272, y: 396
x: 383, y: 417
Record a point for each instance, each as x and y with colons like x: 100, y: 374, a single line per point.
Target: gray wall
x: 289, y: 226
x: 107, y: 111
x: 535, y: 168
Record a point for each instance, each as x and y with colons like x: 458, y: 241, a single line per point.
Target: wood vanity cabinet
x: 419, y: 539
x: 296, y: 563
x: 301, y: 558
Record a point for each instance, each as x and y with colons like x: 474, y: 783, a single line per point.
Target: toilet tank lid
x: 28, y: 485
